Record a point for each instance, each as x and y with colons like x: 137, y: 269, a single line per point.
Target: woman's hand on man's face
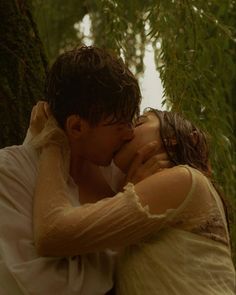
x: 147, y: 162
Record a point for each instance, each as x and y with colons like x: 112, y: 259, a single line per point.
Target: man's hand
x: 147, y: 162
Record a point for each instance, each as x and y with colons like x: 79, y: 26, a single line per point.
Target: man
x: 94, y: 98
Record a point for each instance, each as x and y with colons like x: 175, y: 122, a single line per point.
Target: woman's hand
x: 44, y: 130
x: 38, y: 119
x: 147, y: 162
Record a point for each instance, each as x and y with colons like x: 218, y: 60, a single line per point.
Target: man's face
x: 99, y: 143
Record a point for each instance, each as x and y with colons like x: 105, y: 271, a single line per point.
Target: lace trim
x: 208, y: 222
x: 130, y: 193
x: 213, y: 229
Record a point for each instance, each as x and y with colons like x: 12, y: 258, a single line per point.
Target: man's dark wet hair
x: 94, y: 84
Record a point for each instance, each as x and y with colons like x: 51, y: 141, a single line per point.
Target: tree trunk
x: 23, y: 68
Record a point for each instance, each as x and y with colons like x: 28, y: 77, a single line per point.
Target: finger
x: 154, y: 168
x: 136, y: 163
x: 165, y: 164
x: 149, y: 168
x: 38, y: 118
x: 47, y: 110
x: 142, y: 155
x: 40, y: 110
x: 147, y: 151
x: 33, y: 112
x: 162, y: 156
x: 145, y: 172
x: 161, y: 161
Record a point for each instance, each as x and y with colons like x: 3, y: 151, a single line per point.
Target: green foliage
x: 120, y: 26
x: 197, y: 67
x: 56, y: 20
x: 194, y: 44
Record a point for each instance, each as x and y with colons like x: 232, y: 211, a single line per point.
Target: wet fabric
x: 22, y: 270
x: 190, y: 254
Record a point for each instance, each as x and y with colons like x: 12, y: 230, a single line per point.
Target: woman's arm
x: 61, y: 229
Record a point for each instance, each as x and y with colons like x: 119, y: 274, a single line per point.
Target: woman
x: 170, y: 228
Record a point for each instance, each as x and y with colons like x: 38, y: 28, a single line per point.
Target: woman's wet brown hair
x: 184, y: 143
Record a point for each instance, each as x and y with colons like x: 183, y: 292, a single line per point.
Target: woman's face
x: 147, y: 129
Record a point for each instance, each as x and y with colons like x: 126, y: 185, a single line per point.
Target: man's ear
x: 74, y: 126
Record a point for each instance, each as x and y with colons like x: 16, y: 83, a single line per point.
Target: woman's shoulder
x: 169, y: 188
x: 199, y: 186
x: 182, y: 174
x: 186, y: 173
x: 198, y: 178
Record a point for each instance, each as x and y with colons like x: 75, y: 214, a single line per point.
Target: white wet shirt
x: 22, y: 270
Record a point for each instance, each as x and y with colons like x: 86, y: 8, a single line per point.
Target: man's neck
x: 91, y: 183
x: 80, y: 168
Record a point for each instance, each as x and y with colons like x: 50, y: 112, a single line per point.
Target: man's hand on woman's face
x: 147, y: 162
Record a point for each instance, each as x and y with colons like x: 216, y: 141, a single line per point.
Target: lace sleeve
x: 110, y: 223
x: 204, y: 214
x: 61, y: 229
